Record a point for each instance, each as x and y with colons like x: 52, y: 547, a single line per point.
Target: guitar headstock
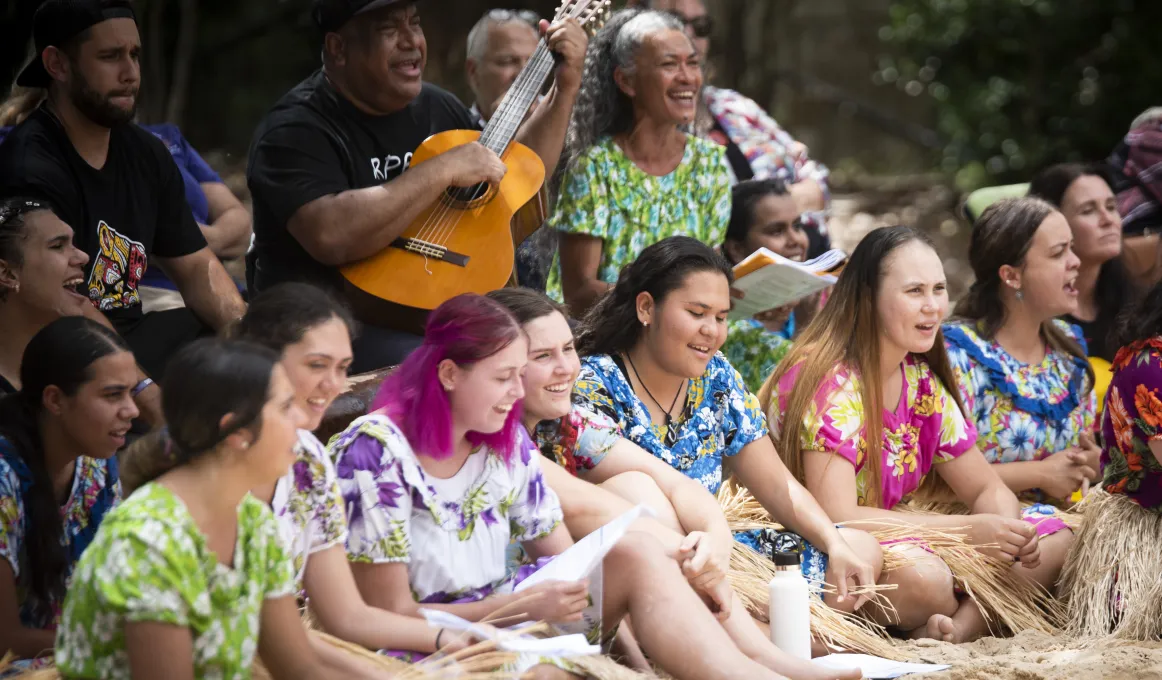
x: 591, y: 14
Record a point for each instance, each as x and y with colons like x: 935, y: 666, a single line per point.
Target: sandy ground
x: 1037, y: 656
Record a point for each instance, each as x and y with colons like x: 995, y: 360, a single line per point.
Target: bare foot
x: 939, y: 627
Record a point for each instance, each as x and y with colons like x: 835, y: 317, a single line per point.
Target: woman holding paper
x: 865, y: 406
x: 588, y: 446
x: 1022, y: 372
x: 764, y: 214
x: 650, y: 363
x: 441, y: 476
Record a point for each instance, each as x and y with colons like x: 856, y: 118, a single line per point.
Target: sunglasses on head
x: 702, y: 26
x: 526, y: 15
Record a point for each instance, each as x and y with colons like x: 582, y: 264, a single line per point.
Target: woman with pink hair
x: 441, y: 476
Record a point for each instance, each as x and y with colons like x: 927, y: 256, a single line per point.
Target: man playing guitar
x: 327, y: 164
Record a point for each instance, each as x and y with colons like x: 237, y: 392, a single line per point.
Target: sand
x: 1037, y: 656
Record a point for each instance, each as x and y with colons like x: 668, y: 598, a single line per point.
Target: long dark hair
x: 1140, y: 320
x: 1002, y: 236
x: 1114, y: 287
x: 62, y: 355
x: 612, y: 326
x: 204, y: 382
x: 846, y: 332
x: 282, y: 315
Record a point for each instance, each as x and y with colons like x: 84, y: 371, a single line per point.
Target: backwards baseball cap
x: 59, y: 21
x: 331, y: 15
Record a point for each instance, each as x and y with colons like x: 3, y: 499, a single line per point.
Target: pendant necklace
x: 667, y: 412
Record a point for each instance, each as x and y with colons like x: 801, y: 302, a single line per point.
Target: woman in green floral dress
x: 188, y: 578
x: 635, y: 177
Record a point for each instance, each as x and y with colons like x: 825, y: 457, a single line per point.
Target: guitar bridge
x: 430, y: 250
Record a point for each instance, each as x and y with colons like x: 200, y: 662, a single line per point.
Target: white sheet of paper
x: 585, y: 555
x: 876, y: 668
x: 512, y: 640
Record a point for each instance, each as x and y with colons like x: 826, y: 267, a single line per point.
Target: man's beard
x: 97, y: 107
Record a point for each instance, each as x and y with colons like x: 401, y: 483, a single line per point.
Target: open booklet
x: 770, y: 280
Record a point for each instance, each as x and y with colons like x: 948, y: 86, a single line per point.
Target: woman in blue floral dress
x: 441, y: 476
x: 650, y: 362
x: 59, y: 436
x: 1023, y: 374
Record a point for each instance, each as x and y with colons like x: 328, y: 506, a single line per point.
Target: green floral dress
x: 605, y: 195
x: 150, y: 562
x: 754, y: 351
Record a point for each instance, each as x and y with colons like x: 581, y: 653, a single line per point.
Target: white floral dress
x: 150, y: 563
x: 308, y: 505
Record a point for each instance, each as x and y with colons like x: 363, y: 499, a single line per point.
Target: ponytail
x: 147, y: 459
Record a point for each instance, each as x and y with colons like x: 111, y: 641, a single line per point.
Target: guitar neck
x: 502, y: 127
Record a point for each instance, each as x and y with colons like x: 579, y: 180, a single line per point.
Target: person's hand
x: 555, y: 601
x: 705, y: 565
x: 1005, y: 537
x: 471, y: 164
x: 568, y: 42
x: 1065, y: 471
x: 1030, y: 555
x: 149, y: 406
x: 849, y: 571
x: 777, y: 316
x: 1092, y: 452
x: 452, y: 642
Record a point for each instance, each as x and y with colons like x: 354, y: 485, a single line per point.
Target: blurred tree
x: 1019, y: 84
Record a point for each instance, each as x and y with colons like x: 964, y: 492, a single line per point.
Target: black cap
x: 786, y: 559
x: 59, y: 21
x: 331, y: 15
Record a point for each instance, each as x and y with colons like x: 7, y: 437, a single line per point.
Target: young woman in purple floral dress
x: 441, y: 476
x: 1111, y: 582
x: 865, y: 406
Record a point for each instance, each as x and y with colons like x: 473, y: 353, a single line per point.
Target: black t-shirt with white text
x: 133, y: 208
x: 315, y: 143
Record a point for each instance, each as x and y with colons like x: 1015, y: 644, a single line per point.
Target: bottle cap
x: 786, y: 559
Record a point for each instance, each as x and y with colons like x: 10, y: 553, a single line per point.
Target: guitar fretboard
x: 502, y: 128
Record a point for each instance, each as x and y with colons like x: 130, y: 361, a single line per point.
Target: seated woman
x: 39, y: 271
x: 763, y: 214
x: 690, y: 525
x: 441, y: 477
x: 1022, y: 373
x: 864, y: 406
x: 635, y: 177
x: 188, y: 577
x: 1103, y: 287
x: 1110, y: 583
x: 650, y: 363
x: 58, y: 437
x: 312, y: 333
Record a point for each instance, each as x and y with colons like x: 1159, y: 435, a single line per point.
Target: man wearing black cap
x: 327, y: 166
x: 114, y: 183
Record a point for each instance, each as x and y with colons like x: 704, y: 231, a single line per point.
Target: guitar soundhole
x: 466, y: 196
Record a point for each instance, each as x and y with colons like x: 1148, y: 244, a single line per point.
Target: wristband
x: 438, y: 639
x: 140, y: 387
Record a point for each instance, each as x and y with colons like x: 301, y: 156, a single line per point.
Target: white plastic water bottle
x: 790, y: 607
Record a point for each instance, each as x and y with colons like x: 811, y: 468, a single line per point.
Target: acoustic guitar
x: 464, y: 243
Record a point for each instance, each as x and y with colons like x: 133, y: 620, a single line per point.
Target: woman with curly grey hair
x: 634, y: 176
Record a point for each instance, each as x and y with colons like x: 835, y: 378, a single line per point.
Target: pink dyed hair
x: 466, y: 329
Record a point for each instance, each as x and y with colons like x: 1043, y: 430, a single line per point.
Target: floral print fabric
x: 604, y: 195
x: 151, y: 563
x: 754, y: 350
x: 926, y: 428
x: 1021, y: 412
x: 308, y: 505
x: 96, y: 490
x: 718, y: 419
x: 579, y: 441
x: 452, y: 533
x: 1131, y: 420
